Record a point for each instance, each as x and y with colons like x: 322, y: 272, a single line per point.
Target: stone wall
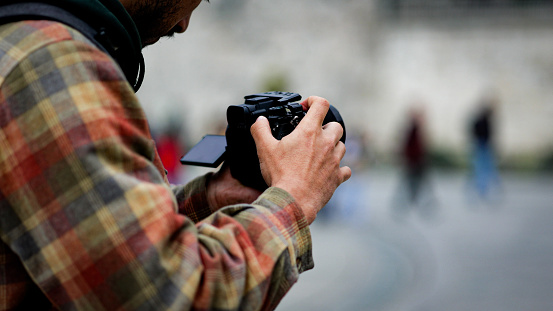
x: 372, y: 67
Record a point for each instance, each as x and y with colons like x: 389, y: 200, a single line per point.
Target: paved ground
x: 464, y: 254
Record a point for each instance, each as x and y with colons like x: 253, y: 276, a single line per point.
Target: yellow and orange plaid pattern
x: 87, y: 218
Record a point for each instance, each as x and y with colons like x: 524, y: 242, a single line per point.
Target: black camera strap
x: 42, y: 11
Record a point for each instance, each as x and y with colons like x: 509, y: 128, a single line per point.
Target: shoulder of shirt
x: 19, y: 39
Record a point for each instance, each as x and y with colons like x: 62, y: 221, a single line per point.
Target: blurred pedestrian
x: 483, y: 159
x: 170, y: 149
x: 414, y: 187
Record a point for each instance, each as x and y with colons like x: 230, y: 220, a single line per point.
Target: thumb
x: 261, y: 132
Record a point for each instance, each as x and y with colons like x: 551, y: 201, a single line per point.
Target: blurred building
x: 370, y: 58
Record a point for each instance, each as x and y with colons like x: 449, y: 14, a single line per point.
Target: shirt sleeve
x: 192, y: 198
x: 93, y: 221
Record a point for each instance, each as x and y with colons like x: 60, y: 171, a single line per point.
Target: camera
x: 284, y: 113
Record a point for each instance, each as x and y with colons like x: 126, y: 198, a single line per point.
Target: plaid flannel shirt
x: 87, y: 218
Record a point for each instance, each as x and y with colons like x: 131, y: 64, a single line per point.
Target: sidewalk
x: 468, y: 255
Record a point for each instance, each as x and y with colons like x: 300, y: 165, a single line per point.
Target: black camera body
x: 237, y: 147
x: 284, y: 114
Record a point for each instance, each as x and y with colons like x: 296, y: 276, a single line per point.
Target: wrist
x: 308, y: 208
x: 210, y: 193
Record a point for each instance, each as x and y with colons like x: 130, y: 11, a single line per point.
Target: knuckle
x: 310, y: 131
x: 340, y: 128
x: 254, y: 130
x: 323, y: 102
x: 338, y: 158
x: 342, y: 148
x: 319, y: 101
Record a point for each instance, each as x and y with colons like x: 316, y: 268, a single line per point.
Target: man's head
x: 157, y: 18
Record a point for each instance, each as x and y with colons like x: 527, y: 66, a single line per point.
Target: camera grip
x: 242, y: 153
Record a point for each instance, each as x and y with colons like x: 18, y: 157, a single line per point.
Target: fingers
x: 340, y: 150
x: 261, y: 132
x: 312, y: 100
x: 335, y: 129
x: 345, y: 173
x: 317, y: 108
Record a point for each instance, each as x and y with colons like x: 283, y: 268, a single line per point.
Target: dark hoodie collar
x: 119, y: 32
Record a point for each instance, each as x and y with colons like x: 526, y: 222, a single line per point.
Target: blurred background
x: 448, y: 107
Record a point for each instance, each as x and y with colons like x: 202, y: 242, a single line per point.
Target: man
x: 87, y: 217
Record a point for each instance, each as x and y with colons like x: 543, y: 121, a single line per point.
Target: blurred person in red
x: 88, y: 219
x: 414, y: 154
x: 415, y: 189
x: 170, y: 147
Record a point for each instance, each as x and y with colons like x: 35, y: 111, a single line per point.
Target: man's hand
x: 305, y: 163
x: 223, y: 190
